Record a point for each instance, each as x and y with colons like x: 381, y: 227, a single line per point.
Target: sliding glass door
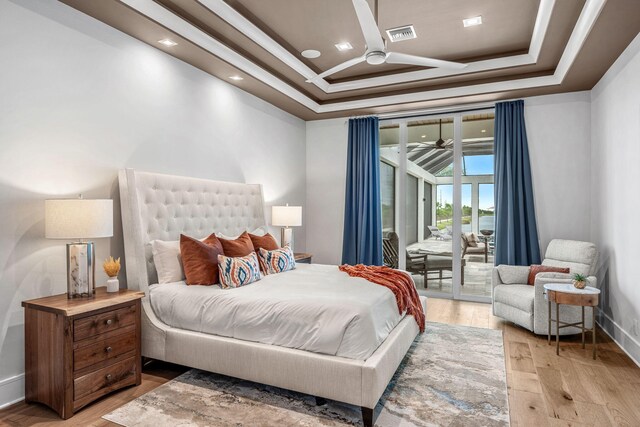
x: 437, y: 197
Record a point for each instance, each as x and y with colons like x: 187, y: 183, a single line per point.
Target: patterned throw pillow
x: 239, y: 271
x: 277, y: 261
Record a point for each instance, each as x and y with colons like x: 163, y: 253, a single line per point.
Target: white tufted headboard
x: 156, y: 206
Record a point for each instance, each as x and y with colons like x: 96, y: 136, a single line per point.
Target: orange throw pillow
x: 200, y: 259
x: 535, y: 269
x: 266, y: 242
x: 239, y: 247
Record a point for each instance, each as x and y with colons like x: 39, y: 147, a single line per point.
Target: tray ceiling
x: 522, y: 48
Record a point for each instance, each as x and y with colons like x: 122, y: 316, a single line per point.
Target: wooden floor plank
x: 520, y: 357
x: 524, y: 381
x: 558, y: 399
x: 528, y: 409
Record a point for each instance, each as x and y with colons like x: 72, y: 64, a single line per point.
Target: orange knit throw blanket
x: 399, y: 282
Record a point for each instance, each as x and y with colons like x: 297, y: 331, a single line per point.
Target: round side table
x: 566, y: 293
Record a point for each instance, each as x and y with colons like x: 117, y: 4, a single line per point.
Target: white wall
x: 615, y: 200
x: 80, y: 100
x: 558, y: 132
x: 326, y: 184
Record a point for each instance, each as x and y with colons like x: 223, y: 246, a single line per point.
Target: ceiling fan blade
x: 368, y: 25
x: 339, y: 67
x: 403, y: 58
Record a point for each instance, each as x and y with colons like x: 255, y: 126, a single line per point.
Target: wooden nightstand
x: 77, y: 350
x: 303, y: 258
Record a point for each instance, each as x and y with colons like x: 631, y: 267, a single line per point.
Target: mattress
x: 315, y: 307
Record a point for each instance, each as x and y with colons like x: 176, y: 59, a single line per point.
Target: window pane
x: 466, y: 208
x: 412, y: 209
x: 485, y: 207
x: 387, y: 196
x: 428, y: 209
x: 478, y: 165
x: 444, y: 206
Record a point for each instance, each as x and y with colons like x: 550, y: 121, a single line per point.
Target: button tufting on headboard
x: 156, y: 206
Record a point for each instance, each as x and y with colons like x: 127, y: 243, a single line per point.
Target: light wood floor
x: 544, y: 389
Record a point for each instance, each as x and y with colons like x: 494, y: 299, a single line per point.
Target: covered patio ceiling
x: 477, y: 139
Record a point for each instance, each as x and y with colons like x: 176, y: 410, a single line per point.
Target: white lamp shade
x: 286, y: 216
x: 78, y: 218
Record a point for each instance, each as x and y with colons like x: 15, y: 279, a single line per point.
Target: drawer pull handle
x: 108, y: 349
x: 108, y: 377
x: 108, y: 322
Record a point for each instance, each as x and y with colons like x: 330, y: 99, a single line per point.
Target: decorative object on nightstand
x: 569, y: 294
x: 77, y: 350
x: 72, y: 219
x: 286, y: 216
x: 302, y: 258
x: 112, y: 268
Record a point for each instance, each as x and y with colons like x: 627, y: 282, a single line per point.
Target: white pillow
x: 166, y: 257
x: 260, y: 231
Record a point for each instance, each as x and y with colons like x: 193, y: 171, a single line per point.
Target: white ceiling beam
x: 246, y: 27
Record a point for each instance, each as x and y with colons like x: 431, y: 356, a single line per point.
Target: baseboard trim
x: 625, y: 341
x: 11, y: 390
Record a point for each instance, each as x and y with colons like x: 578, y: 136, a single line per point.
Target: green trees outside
x: 444, y: 214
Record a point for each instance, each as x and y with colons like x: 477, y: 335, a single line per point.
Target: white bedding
x: 315, y: 307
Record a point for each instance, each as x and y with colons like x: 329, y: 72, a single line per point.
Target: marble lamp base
x: 81, y: 270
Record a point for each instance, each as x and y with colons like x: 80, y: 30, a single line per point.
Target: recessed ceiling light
x: 344, y: 46
x: 483, y: 130
x: 423, y: 136
x: 310, y: 53
x: 237, y: 78
x: 167, y: 42
x: 470, y: 22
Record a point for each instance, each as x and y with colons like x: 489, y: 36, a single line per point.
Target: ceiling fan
x: 376, y: 52
x: 440, y: 144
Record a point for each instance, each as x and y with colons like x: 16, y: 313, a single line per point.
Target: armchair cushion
x: 579, y: 257
x: 513, y: 274
x: 518, y: 296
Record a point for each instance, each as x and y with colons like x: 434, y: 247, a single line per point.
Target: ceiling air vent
x: 399, y: 34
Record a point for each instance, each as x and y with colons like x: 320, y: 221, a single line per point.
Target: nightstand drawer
x: 99, y: 350
x: 105, y: 322
x: 105, y: 379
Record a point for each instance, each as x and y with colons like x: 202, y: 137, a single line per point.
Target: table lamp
x: 77, y: 219
x: 286, y: 216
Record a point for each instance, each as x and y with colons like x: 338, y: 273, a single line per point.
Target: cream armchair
x: 525, y: 305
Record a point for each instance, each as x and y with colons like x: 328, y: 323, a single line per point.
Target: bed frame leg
x: 367, y: 416
x: 320, y: 401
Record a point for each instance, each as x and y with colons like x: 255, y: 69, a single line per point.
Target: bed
x: 156, y: 206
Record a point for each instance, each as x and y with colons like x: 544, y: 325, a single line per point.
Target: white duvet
x: 315, y: 307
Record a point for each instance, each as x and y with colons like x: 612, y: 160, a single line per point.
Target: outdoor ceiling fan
x: 376, y: 52
x: 440, y: 144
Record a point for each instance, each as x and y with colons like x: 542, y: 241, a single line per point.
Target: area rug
x: 451, y: 376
